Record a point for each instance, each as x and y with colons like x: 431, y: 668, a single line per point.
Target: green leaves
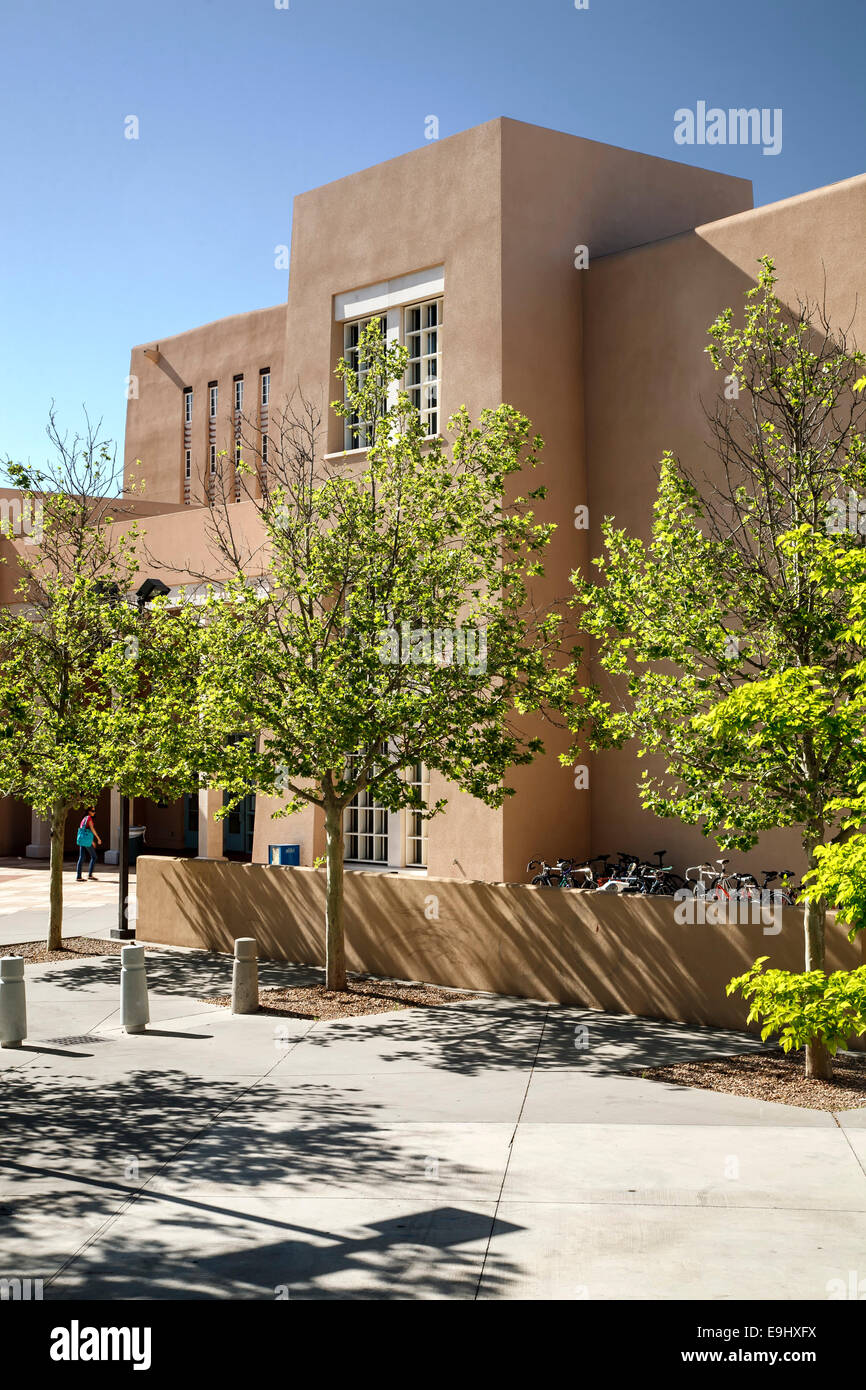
x: 394, y: 623
x: 93, y: 693
x: 803, y: 1008
x: 731, y: 641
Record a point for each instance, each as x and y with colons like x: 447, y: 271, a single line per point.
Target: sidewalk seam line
x: 133, y: 1197
x: 498, y: 1202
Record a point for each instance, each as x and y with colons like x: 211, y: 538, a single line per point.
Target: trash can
x: 287, y: 855
x: 136, y: 842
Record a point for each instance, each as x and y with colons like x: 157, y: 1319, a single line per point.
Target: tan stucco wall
x: 646, y: 313
x: 244, y: 343
x: 501, y: 207
x: 559, y: 192
x: 624, y: 955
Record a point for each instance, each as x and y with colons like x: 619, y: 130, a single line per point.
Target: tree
x: 839, y: 873
x: 90, y: 690
x: 729, y: 627
x: 385, y: 619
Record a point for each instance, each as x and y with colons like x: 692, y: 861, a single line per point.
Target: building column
x: 112, y: 854
x: 210, y: 832
x: 40, y: 838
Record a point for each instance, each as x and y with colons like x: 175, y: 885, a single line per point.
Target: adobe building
x: 571, y: 279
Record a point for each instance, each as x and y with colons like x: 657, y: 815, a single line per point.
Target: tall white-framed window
x: 357, y: 434
x: 374, y: 835
x: 239, y: 394
x: 422, y: 335
x: 266, y: 385
x: 416, y: 826
x: 187, y: 464
x: 213, y: 459
x: 366, y: 830
x: 264, y: 451
x: 187, y: 406
x: 213, y: 400
x: 365, y: 826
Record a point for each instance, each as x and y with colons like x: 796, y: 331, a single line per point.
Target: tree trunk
x: 55, y: 874
x: 335, y: 942
x: 818, y: 1063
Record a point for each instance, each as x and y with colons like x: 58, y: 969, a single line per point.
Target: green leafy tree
x: 839, y: 872
x: 726, y: 635
x: 798, y: 1008
x: 91, y: 689
x: 386, y: 618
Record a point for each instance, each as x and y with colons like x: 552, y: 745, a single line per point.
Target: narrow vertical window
x: 187, y: 464
x: 239, y: 394
x: 416, y: 825
x: 213, y: 458
x: 266, y: 385
x: 187, y: 406
x: 422, y: 335
x: 213, y: 394
x: 358, y: 434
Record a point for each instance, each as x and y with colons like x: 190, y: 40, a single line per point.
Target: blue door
x: 238, y: 828
x: 190, y: 821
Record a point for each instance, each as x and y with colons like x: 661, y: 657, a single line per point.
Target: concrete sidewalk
x: 490, y: 1149
x: 89, y: 907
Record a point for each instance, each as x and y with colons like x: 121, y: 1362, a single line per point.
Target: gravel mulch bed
x: 73, y: 946
x: 772, y: 1076
x: 361, y: 997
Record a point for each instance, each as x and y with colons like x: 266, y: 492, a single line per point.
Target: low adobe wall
x: 620, y: 954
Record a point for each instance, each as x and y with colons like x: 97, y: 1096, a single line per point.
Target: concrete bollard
x: 134, y: 1008
x: 245, y: 977
x: 13, y: 1002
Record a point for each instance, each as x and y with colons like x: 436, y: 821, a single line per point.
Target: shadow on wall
x: 601, y: 951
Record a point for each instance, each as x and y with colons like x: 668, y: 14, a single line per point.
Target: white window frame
x: 355, y: 432
x: 212, y: 459
x: 187, y: 406
x: 426, y: 391
x: 187, y: 464
x: 415, y: 827
x: 239, y: 395
x: 400, y: 844
x: 213, y: 401
x: 266, y: 388
x: 387, y: 300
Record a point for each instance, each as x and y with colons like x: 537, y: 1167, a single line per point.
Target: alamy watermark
x: 846, y: 514
x: 21, y: 1290
x: 438, y: 646
x: 737, y: 126
x: 741, y: 909
x: 22, y: 516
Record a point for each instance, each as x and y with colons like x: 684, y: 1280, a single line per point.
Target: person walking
x: 86, y: 835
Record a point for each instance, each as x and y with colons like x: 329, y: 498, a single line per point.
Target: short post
x: 134, y: 1008
x: 245, y: 977
x: 13, y: 1002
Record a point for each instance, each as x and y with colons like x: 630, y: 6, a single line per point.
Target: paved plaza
x: 488, y: 1149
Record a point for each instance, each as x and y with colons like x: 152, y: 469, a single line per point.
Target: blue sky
x: 107, y: 241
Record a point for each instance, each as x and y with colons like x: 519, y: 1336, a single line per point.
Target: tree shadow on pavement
x: 159, y: 1185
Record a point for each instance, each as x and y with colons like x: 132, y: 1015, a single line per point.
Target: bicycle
x: 708, y: 881
x: 544, y: 879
